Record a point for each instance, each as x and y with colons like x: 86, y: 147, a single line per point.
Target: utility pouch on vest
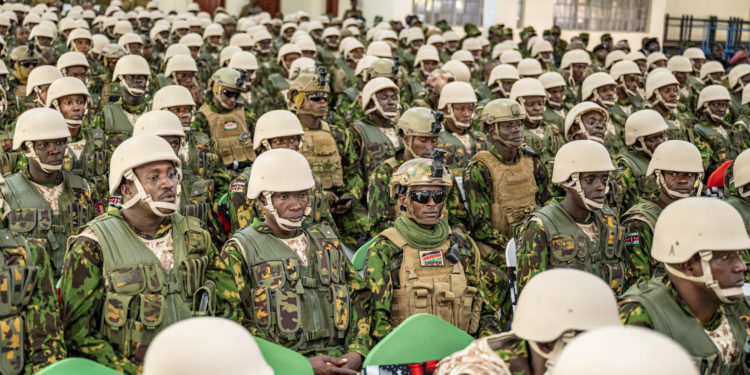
x: 324, y: 266
x: 154, y: 278
x: 17, y: 285
x: 192, y: 271
x: 6, y: 301
x: 117, y: 309
x: 270, y: 274
x: 11, y: 342
x: 127, y: 280
x: 32, y: 274
x: 337, y: 264
x: 25, y: 220
x: 198, y: 211
x: 204, y: 302
x: 341, y: 309
x: 563, y: 250
x: 288, y: 312
x: 262, y: 308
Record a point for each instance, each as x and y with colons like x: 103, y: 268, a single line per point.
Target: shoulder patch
x: 632, y: 239
x: 238, y: 187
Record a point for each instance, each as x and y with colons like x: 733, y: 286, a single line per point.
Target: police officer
x: 587, y: 120
x: 581, y: 231
x: 458, y: 103
x: 42, y: 201
x: 505, y: 183
x: 87, y: 154
x: 111, y: 89
x: 225, y: 121
x: 574, y: 66
x: 36, y: 88
x: 541, y: 135
x: 663, y: 94
x: 677, y: 172
x: 531, y: 345
x: 725, y: 140
x: 739, y: 197
x: 143, y: 254
x: 554, y: 85
x: 599, y: 88
x: 117, y: 118
x: 693, y: 304
x: 23, y: 62
x: 627, y: 75
x: 644, y: 132
x: 426, y: 60
x: 438, y: 272
x: 317, y: 303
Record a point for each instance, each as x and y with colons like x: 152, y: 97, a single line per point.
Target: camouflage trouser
x: 353, y: 225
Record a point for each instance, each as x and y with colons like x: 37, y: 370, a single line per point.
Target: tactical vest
x: 723, y: 148
x: 456, y: 155
x: 440, y: 289
x: 744, y: 209
x: 546, y: 146
x: 231, y: 134
x: 376, y: 147
x: 306, y: 308
x: 142, y: 297
x: 349, y: 72
x: 676, y: 130
x: 117, y: 125
x: 198, y: 186
x: 638, y: 164
x: 570, y: 247
x: 320, y: 149
x: 163, y: 81
x: 31, y: 216
x: 645, y: 211
x: 18, y: 279
x: 513, y: 189
x: 92, y: 164
x: 111, y: 92
x: 671, y: 320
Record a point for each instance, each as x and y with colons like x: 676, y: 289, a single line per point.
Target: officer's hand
x: 325, y: 365
x: 345, y: 207
x: 197, y: 96
x: 332, y: 197
x: 353, y: 361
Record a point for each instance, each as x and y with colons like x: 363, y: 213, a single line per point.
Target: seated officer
x: 547, y: 318
x: 699, y: 240
x: 581, y: 231
x: 138, y: 268
x: 292, y: 283
x: 419, y: 266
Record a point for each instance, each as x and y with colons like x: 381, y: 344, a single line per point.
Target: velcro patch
x: 238, y: 187
x: 231, y: 125
x: 632, y: 239
x: 431, y: 258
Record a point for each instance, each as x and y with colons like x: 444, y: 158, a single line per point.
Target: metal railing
x: 687, y: 31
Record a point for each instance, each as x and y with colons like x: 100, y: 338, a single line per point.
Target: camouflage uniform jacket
x: 381, y: 207
x: 359, y: 161
x: 238, y: 285
x: 84, y: 292
x: 517, y: 354
x: 639, y: 222
x: 457, y: 155
x: 37, y: 321
x: 479, y: 199
x: 111, y: 131
x: 381, y: 274
x: 633, y: 184
x: 722, y: 147
x: 544, y: 140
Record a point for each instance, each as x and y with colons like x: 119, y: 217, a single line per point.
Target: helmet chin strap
x: 532, y: 119
x: 560, y: 344
x: 459, y: 124
x: 38, y: 96
x: 500, y: 89
x: 141, y: 195
x: 421, y: 68
x: 31, y: 154
x: 575, y: 184
x: 132, y: 91
x: 697, y: 186
x: 660, y: 99
x: 377, y: 107
x: 284, y: 223
x: 605, y: 103
x: 744, y: 191
x: 71, y: 123
x: 582, y: 130
x: 725, y: 295
x: 716, y: 117
x: 628, y: 91
x: 640, y: 146
x: 504, y: 141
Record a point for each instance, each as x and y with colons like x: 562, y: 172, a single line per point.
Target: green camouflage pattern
x: 722, y: 149
x: 114, y: 139
x: 517, y: 355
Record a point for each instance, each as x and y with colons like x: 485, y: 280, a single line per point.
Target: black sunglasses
x: 318, y: 97
x: 28, y: 63
x: 423, y: 196
x: 230, y: 94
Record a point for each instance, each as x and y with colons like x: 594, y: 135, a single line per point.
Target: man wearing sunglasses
x: 418, y: 265
x: 23, y: 61
x: 581, y: 231
x: 225, y: 120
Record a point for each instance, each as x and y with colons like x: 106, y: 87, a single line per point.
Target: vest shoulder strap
x: 638, y: 164
x: 113, y: 234
x: 22, y: 194
x: 392, y: 163
x: 394, y: 236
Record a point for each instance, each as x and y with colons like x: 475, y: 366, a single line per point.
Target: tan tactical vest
x: 513, y: 190
x: 232, y: 136
x: 395, y: 207
x: 440, y: 289
x: 321, y: 151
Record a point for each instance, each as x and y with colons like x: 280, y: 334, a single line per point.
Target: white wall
x: 315, y: 8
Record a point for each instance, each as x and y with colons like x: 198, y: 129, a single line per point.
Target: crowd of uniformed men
x: 160, y: 167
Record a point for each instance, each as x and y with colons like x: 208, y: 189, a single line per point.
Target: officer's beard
x: 725, y: 295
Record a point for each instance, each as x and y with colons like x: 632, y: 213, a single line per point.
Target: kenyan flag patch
x: 231, y: 125
x: 431, y: 258
x: 632, y: 239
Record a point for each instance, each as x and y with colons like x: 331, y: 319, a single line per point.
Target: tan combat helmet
x: 574, y: 117
x: 640, y: 125
x: 205, y: 345
x: 131, y: 65
x: 528, y: 87
x: 456, y: 93
x: 713, y: 225
x: 77, y: 34
x: 418, y: 122
x: 542, y: 47
x: 460, y: 71
x: 137, y: 151
x: 160, y: 123
x: 71, y: 59
x: 735, y: 76
x: 655, y: 57
x: 310, y: 84
x: 575, y: 56
x: 180, y: 63
x: 576, y: 157
x: 275, y: 124
x: 621, y: 69
x: 426, y: 53
x: 128, y: 39
x: 656, y: 81
x: 676, y: 156
x: 696, y: 56
x: 63, y: 87
x: 245, y: 61
x: 498, y: 111
x: 511, y: 57
x: 679, y: 64
x: 287, y: 49
x: 377, y: 49
x: 40, y: 76
x: 175, y: 96
x: 378, y: 67
x: 623, y: 351
x: 552, y: 80
x: 300, y: 64
x: 242, y: 40
x: 372, y: 87
x: 613, y: 57
x: 741, y: 169
x: 708, y: 70
x: 226, y: 54
x: 280, y: 170
x: 225, y: 77
x: 260, y: 36
x: 589, y: 89
x: 502, y: 72
x: 420, y: 172
x: 39, y: 124
x: 529, y: 68
x: 709, y: 94
x: 548, y: 313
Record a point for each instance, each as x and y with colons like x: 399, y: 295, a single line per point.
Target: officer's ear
x: 262, y: 199
x: 691, y: 267
x: 126, y: 188
x: 402, y: 201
